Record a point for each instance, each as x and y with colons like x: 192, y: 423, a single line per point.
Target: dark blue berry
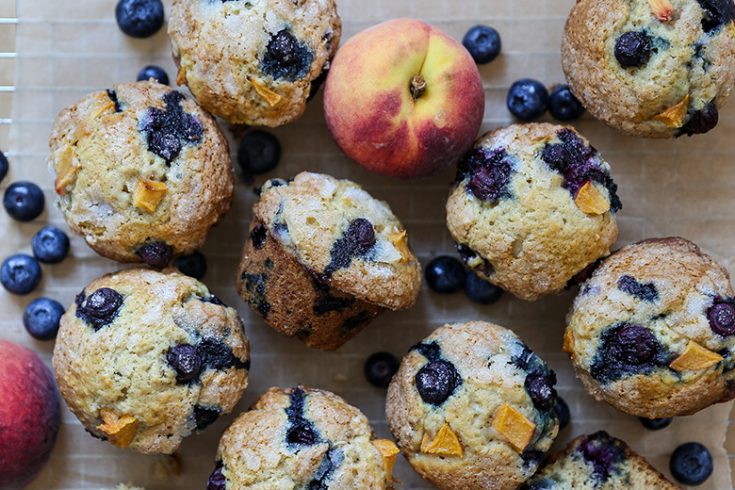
x: 258, y: 236
x: 445, y: 275
x: 643, y: 291
x: 50, y: 245
x: 527, y: 99
x: 20, y: 274
x: 437, y: 381
x: 721, y: 316
x: 481, y: 291
x: 168, y: 130
x: 301, y: 431
x: 205, y: 416
x: 113, y: 97
x: 357, y: 241
x: 259, y: 152
x: 24, y: 201
x: 380, y: 368
x: 100, y: 308
x: 139, y: 18
x: 216, y: 354
x: 155, y: 72
x: 286, y: 57
x: 217, y: 480
x: 4, y: 166
x: 41, y: 318
x: 603, y: 452
x: 656, y: 424
x: 716, y: 14
x: 540, y: 387
x: 702, y: 121
x: 156, y: 254
x: 194, y: 265
x: 562, y: 412
x: 627, y: 349
x: 483, y: 43
x: 633, y: 49
x: 563, y: 105
x: 691, y: 463
x: 489, y: 173
x: 185, y: 360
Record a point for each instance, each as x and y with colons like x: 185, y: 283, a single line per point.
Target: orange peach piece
x: 389, y: 451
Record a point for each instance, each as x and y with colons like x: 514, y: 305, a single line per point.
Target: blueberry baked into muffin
x: 254, y: 63
x: 598, y: 462
x: 142, y: 173
x: 652, y: 68
x: 532, y: 206
x: 323, y: 258
x: 302, y: 438
x: 652, y: 332
x: 473, y: 407
x: 145, y: 358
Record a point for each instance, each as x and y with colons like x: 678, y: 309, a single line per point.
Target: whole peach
x: 404, y: 99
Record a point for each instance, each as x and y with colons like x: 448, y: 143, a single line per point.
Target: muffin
x: 145, y: 358
x: 323, y: 258
x: 656, y: 69
x: 533, y: 205
x: 473, y: 407
x: 599, y: 462
x: 142, y: 173
x: 652, y: 332
x: 254, y: 63
x: 302, y: 438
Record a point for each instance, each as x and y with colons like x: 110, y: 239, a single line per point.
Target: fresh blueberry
x: 380, y: 368
x: 702, y: 121
x: 100, y: 308
x: 155, y: 72
x: 217, y: 480
x: 481, y: 291
x: 259, y: 152
x: 20, y: 274
x: 691, y: 463
x: 445, y: 275
x: 563, y: 105
x: 185, y: 360
x: 436, y: 381
x: 4, y: 166
x: 41, y: 318
x: 633, y: 49
x: 194, y: 265
x: 562, y: 412
x: 50, y: 245
x: 24, y: 201
x: 483, y: 43
x: 656, y: 424
x: 139, y: 18
x: 527, y: 99
x: 155, y: 254
x: 286, y: 57
x: 721, y: 316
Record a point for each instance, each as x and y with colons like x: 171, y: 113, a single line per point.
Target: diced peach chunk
x: 389, y: 450
x: 591, y: 201
x: 695, y: 358
x: 514, y: 426
x: 148, y: 195
x: 444, y: 443
x: 120, y: 430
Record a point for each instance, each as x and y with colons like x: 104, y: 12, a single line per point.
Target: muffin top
x: 137, y: 165
x: 655, y: 69
x: 345, y: 236
x: 253, y: 62
x: 473, y: 407
x: 145, y: 358
x: 532, y: 206
x: 653, y: 330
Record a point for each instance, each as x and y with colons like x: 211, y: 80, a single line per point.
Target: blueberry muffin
x: 302, y: 438
x: 472, y: 407
x: 142, y: 173
x: 323, y: 258
x: 254, y: 63
x: 652, y: 68
x: 652, y: 332
x: 145, y: 358
x: 599, y: 462
x: 532, y: 206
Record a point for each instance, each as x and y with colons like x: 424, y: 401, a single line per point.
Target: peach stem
x: 418, y: 87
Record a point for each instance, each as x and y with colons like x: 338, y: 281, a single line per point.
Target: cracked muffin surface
x: 142, y: 173
x: 254, y: 62
x: 145, y: 358
x: 652, y: 69
x: 652, y: 332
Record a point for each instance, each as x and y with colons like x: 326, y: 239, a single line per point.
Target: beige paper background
x: 68, y: 48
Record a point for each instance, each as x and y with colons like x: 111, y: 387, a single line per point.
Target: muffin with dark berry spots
x: 302, y: 438
x: 652, y: 68
x: 532, y: 206
x: 144, y: 359
x: 598, y: 462
x: 142, y: 173
x: 254, y: 63
x: 473, y: 407
x: 323, y: 258
x: 652, y: 332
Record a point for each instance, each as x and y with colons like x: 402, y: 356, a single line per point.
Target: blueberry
x: 445, y: 275
x: 205, y: 416
x: 716, y: 14
x: 286, y: 57
x: 50, y: 245
x: 24, y: 201
x: 216, y: 354
x: 481, y: 291
x: 356, y: 241
x: 437, y: 381
x: 380, y: 368
x: 167, y: 130
x: 628, y: 349
x: 483, y: 43
x: 4, y: 166
x: 562, y: 412
x: 527, y: 99
x: 540, y: 387
x: 489, y: 173
x: 691, y: 463
x: 633, y: 49
x: 643, y: 291
x: 20, y: 274
x: 139, y: 18
x: 656, y: 424
x: 155, y: 254
x: 258, y: 236
x: 41, y: 318
x: 702, y: 121
x: 603, y: 452
x: 721, y: 316
x: 302, y: 433
x: 100, y: 308
x: 155, y: 72
x: 563, y: 105
x: 194, y: 265
x: 217, y: 480
x: 185, y: 360
x: 259, y: 152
